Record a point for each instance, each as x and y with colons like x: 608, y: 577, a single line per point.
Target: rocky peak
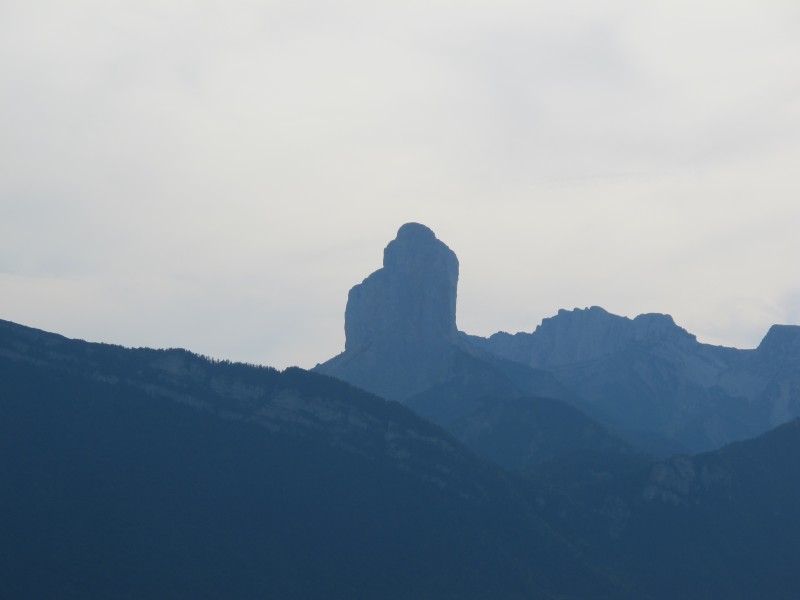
x: 412, y: 297
x: 781, y: 344
x: 657, y: 327
x: 577, y: 335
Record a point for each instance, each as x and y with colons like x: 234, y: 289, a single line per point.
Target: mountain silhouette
x: 402, y: 343
x: 645, y: 380
x: 649, y: 377
x: 135, y: 473
x: 400, y: 322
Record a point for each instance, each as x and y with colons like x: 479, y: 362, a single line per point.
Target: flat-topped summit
x: 412, y: 297
x: 400, y: 322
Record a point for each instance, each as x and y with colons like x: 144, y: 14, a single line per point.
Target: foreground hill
x: 728, y: 521
x: 719, y: 525
x: 158, y: 473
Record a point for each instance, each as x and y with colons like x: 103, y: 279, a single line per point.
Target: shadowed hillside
x: 144, y: 473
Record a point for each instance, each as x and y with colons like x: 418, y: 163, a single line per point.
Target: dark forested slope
x: 145, y: 473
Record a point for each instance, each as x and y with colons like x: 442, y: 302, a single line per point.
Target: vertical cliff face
x: 412, y: 297
x: 400, y: 322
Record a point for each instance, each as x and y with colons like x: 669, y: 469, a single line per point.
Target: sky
x: 216, y: 175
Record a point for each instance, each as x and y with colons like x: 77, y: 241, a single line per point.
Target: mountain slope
x: 724, y: 524
x: 144, y: 473
x: 732, y: 518
x: 648, y: 377
x: 486, y: 407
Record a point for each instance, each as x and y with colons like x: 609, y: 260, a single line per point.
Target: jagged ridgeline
x: 644, y: 380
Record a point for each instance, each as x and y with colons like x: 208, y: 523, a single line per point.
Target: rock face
x: 649, y: 376
x: 400, y: 322
x: 403, y: 344
x: 412, y: 297
x: 645, y: 379
x: 781, y: 345
x: 584, y: 334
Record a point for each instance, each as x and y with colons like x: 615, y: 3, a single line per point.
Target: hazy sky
x: 216, y: 175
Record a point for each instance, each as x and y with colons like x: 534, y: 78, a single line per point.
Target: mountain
x: 132, y: 473
x: 400, y: 328
x: 645, y: 380
x: 159, y: 473
x: 769, y: 376
x: 719, y: 525
x: 402, y: 343
x: 733, y: 512
x: 400, y: 322
x: 649, y: 379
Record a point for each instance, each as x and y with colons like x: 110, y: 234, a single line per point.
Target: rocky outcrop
x: 646, y: 379
x: 582, y: 335
x: 769, y: 376
x: 400, y: 322
x: 401, y: 334
x: 780, y: 346
x: 403, y: 344
x: 412, y: 297
x: 647, y: 376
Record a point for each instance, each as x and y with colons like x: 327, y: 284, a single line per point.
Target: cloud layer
x: 216, y: 175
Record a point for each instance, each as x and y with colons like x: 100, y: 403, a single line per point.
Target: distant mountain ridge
x: 648, y: 374
x: 583, y: 335
x: 402, y: 343
x: 645, y: 379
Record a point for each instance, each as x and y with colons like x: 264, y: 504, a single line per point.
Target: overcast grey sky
x: 217, y: 174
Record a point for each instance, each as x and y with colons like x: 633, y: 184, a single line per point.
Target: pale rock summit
x: 412, y: 297
x: 400, y: 322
